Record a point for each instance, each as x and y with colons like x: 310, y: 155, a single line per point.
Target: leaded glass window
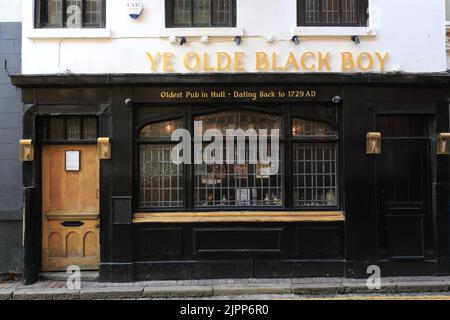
x: 240, y: 181
x: 70, y: 13
x: 69, y: 129
x: 200, y: 13
x: 160, y: 129
x: 160, y: 178
x: 332, y: 12
x: 315, y: 164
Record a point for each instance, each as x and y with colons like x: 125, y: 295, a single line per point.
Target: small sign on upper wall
x: 135, y: 8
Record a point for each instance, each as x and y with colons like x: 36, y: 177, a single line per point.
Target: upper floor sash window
x: 200, y: 13
x: 332, y: 13
x: 70, y: 13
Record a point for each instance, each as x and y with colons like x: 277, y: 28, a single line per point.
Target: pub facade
x: 349, y: 99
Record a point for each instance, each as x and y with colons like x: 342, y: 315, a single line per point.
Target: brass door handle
x: 97, y: 195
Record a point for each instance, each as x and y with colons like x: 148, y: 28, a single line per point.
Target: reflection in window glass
x: 161, y: 129
x: 306, y: 128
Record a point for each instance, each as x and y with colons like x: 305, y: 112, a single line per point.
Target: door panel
x: 70, y: 209
x: 403, y: 173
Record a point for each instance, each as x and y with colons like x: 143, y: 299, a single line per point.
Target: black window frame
x: 40, y: 12
x: 169, y: 8
x: 287, y: 142
x: 362, y: 15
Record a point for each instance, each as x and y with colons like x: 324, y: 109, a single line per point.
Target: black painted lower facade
x: 395, y: 204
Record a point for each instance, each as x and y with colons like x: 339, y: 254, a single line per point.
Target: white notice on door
x: 72, y: 160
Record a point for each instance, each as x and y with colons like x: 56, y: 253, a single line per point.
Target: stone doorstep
x: 6, y: 294
x: 178, y: 292
x: 112, y: 293
x: 248, y: 289
x: 46, y: 294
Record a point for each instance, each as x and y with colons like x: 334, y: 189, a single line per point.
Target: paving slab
x: 178, y: 292
x: 318, y: 288
x: 361, y: 287
x: 46, y: 294
x: 249, y: 289
x: 111, y: 293
x: 423, y: 286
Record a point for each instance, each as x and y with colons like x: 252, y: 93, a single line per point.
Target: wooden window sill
x: 244, y: 216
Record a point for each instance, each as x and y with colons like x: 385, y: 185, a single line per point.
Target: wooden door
x: 404, y: 185
x: 70, y: 207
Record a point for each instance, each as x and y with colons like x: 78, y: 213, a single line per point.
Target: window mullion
x: 82, y: 3
x: 63, y: 6
x: 210, y: 13
x: 191, y: 24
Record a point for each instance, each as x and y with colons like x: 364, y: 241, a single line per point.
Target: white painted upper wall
x: 411, y: 32
x: 11, y: 10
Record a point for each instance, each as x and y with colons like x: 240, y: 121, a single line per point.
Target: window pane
x: 349, y: 13
x: 312, y: 12
x: 73, y: 129
x: 240, y: 184
x: 182, y: 12
x: 90, y: 128
x: 330, y: 11
x: 240, y: 120
x: 161, y: 129
x: 160, y: 179
x: 93, y: 12
x: 315, y: 175
x: 447, y: 4
x: 306, y: 128
x: 202, y: 12
x: 73, y: 14
x: 57, y: 129
x: 241, y: 181
x: 52, y: 12
x: 222, y: 12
